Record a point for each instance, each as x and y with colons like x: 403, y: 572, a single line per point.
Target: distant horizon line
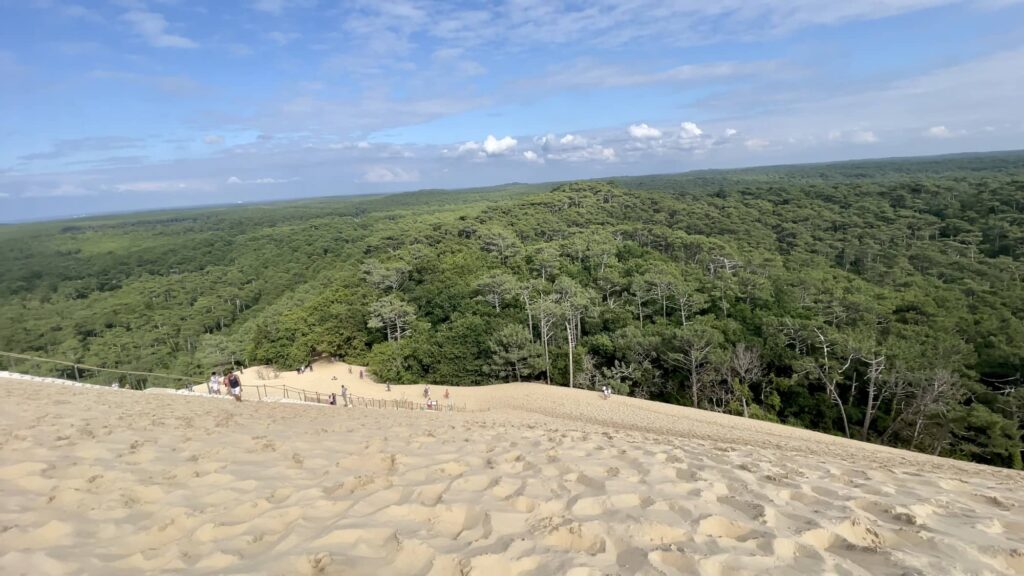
x: 215, y: 205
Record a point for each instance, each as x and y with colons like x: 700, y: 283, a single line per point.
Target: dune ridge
x: 535, y: 480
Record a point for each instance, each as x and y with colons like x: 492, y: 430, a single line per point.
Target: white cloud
x: 689, y: 131
x: 153, y: 28
x: 491, y: 146
x: 756, y: 144
x: 938, y: 132
x: 730, y: 132
x: 468, y: 147
x: 572, y: 139
x: 386, y: 175
x: 495, y: 147
x: 4, y: 195
x: 531, y: 156
x: 643, y: 131
x: 237, y: 180
x: 213, y: 139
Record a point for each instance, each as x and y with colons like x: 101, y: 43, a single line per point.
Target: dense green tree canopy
x: 880, y: 300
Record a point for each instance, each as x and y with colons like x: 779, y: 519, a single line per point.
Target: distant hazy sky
x: 127, y: 104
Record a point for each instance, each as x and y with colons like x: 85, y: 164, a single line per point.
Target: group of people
x: 431, y: 404
x: 230, y: 381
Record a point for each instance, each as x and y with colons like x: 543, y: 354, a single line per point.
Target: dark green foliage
x: 880, y: 299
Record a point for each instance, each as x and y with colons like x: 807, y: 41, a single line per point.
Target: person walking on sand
x: 235, y: 386
x: 214, y: 384
x: 344, y: 395
x: 426, y: 391
x: 446, y: 394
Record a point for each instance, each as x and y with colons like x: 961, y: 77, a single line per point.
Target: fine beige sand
x: 530, y: 479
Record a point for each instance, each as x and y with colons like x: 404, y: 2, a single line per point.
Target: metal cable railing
x: 87, y: 374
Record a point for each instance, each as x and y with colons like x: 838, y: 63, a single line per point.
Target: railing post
x: 77, y: 379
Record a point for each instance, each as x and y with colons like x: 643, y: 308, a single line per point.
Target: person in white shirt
x: 214, y: 384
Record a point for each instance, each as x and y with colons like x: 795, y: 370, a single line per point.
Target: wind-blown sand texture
x: 538, y: 480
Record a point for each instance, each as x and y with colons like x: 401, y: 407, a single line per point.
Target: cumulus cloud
x: 213, y: 140
x: 152, y: 27
x: 493, y: 146
x: 531, y: 156
x: 386, y: 175
x: 689, y: 130
x: 730, y: 132
x: 938, y: 132
x: 643, y: 131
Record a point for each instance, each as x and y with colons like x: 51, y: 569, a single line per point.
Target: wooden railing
x: 269, y: 391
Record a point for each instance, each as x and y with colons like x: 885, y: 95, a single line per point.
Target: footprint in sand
x: 716, y: 526
x: 578, y: 538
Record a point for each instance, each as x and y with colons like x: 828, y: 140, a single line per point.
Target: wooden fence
x: 270, y: 391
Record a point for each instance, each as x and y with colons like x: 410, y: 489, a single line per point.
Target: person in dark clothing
x: 235, y: 386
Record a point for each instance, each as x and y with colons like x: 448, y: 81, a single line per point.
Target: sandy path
x: 119, y: 482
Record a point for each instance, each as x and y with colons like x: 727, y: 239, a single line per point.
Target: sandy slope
x: 541, y: 481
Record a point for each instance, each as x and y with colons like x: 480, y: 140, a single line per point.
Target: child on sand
x: 214, y: 384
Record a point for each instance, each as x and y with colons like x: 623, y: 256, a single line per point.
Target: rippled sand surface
x: 536, y: 480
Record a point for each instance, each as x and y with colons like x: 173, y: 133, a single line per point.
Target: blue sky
x: 115, y: 105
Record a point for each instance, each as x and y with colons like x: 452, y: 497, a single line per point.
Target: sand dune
x: 535, y: 480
